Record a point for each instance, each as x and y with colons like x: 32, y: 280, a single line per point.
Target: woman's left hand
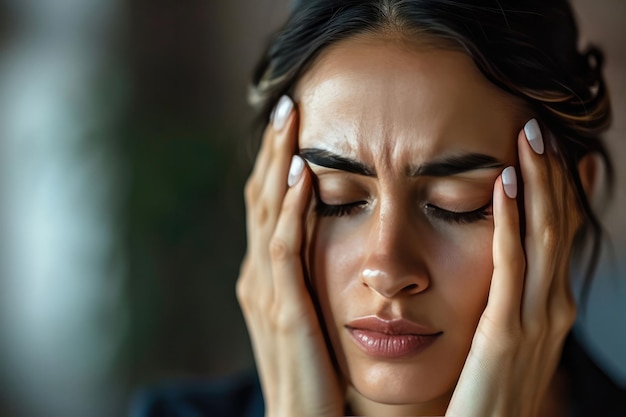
x: 530, y: 310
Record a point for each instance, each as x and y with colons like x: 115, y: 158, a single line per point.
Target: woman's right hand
x: 295, y: 369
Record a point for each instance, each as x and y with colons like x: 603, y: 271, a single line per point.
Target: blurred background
x: 124, y: 145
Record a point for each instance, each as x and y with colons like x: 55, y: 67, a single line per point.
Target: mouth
x: 398, y: 338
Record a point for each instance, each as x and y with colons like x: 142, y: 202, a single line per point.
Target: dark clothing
x: 236, y: 396
x: 593, y: 394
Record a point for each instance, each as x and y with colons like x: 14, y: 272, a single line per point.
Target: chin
x: 397, y: 383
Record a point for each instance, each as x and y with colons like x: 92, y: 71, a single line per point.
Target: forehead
x: 369, y: 96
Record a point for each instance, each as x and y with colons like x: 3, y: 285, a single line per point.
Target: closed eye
x: 338, y: 210
x: 449, y: 216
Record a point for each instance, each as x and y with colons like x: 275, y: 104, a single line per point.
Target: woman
x: 413, y: 208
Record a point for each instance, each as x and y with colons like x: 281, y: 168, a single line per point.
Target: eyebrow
x: 331, y: 160
x: 448, y: 166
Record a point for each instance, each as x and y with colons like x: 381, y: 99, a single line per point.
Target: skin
x: 502, y: 300
x: 424, y: 104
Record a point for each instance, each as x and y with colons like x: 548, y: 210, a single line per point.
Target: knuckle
x: 284, y: 324
x: 262, y: 213
x: 251, y: 190
x: 242, y: 292
x: 550, y: 237
x: 285, y: 320
x: 243, y: 287
x: 564, y: 318
x: 250, y: 298
x: 279, y: 249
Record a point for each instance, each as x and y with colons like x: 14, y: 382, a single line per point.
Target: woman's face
x: 405, y: 141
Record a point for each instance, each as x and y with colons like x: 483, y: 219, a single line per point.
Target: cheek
x: 333, y: 264
x: 334, y: 256
x: 462, y: 274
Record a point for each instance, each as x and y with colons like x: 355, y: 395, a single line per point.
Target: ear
x: 588, y: 169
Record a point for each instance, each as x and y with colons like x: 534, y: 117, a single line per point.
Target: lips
x: 391, y: 338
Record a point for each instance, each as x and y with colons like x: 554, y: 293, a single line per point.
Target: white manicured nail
x: 281, y: 112
x: 295, y: 170
x: 533, y: 134
x: 509, y: 182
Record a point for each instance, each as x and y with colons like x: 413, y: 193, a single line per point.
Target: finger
x: 300, y: 341
x: 262, y: 212
x: 263, y: 206
x: 263, y: 155
x: 508, y: 255
x: 276, y: 123
x: 542, y: 217
x: 567, y: 204
x: 286, y: 247
x: 284, y: 146
x: 562, y: 308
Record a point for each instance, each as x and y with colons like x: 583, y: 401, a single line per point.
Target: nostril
x: 410, y: 287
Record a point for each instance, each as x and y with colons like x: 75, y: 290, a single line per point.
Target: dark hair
x: 528, y: 48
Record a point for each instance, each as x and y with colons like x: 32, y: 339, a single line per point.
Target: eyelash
x: 481, y: 213
x: 339, y: 210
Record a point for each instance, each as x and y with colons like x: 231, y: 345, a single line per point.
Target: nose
x: 393, y: 263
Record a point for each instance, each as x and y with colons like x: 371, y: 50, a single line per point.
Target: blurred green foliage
x: 185, y: 231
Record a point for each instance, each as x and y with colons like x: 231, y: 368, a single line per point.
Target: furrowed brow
x: 446, y: 167
x: 331, y: 160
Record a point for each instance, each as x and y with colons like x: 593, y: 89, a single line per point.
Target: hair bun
x: 595, y: 63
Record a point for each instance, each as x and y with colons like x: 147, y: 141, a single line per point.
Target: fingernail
x: 281, y: 112
x: 533, y: 134
x: 295, y: 170
x: 509, y: 182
